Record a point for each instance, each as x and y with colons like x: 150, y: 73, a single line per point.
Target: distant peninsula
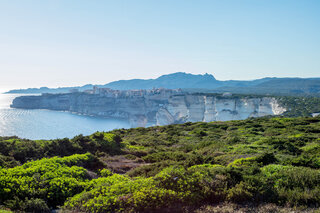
x: 154, y: 107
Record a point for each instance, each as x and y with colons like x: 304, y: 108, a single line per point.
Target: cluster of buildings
x: 107, y: 92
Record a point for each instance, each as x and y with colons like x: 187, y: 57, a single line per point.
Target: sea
x: 37, y: 124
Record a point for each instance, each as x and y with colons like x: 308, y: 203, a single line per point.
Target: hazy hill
x: 278, y: 86
x: 171, y: 81
x: 206, y: 82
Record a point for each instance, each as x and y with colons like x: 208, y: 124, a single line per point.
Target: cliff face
x: 209, y: 108
x: 155, y: 109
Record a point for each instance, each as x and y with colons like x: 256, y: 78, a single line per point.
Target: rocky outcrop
x: 155, y: 108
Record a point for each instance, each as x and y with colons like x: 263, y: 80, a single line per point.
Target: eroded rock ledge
x: 154, y: 107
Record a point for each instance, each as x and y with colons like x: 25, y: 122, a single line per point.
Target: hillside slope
x: 175, y: 168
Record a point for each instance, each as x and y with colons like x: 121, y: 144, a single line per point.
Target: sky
x: 67, y: 43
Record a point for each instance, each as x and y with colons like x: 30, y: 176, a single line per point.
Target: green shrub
x: 262, y: 159
x: 107, y: 197
x: 295, y: 185
x: 105, y: 173
x: 148, y: 199
x: 52, y: 180
x: 195, y: 184
x: 241, y: 193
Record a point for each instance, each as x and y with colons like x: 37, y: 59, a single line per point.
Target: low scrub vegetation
x: 272, y: 163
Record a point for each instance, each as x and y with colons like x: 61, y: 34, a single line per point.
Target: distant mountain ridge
x: 203, y: 83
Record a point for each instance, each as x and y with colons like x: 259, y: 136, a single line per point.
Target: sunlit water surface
x: 46, y: 124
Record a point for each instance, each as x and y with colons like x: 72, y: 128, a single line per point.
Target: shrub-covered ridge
x: 169, y: 168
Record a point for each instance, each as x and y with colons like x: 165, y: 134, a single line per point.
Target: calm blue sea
x: 46, y: 124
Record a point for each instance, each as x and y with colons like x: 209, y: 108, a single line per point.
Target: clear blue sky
x: 74, y: 42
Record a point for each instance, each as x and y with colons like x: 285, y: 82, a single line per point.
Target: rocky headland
x: 154, y: 107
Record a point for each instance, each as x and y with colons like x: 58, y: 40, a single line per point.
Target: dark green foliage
x: 14, y: 150
x: 35, y: 205
x: 6, y: 161
x: 188, y: 159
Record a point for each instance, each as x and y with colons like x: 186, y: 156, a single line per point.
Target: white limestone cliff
x: 158, y: 107
x: 195, y: 108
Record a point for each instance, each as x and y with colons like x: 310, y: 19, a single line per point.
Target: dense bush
x: 105, y: 173
x: 52, y: 180
x: 172, y: 186
x: 260, y: 160
x: 107, y: 196
x: 294, y: 185
x: 14, y: 150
